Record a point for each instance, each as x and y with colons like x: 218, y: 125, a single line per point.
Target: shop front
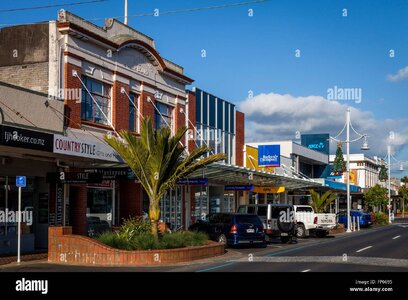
x: 24, y: 152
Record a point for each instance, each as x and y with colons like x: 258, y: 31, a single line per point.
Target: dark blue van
x: 233, y: 229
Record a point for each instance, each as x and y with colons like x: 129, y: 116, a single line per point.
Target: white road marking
x: 364, y: 248
x: 307, y: 270
x: 395, y: 237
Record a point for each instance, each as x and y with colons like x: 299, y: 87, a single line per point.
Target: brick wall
x: 240, y: 138
x: 146, y: 108
x: 30, y: 76
x: 120, y: 107
x: 78, y: 204
x: 179, y: 118
x: 131, y: 199
x: 72, y: 108
x: 64, y: 247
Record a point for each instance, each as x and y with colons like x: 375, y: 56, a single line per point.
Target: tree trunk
x: 154, y: 214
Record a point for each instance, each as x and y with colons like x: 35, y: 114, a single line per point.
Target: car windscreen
x: 242, y: 219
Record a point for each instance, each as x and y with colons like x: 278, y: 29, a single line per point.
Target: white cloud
x: 401, y: 75
x: 273, y: 116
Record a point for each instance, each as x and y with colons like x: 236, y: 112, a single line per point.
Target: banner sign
x: 88, y: 148
x: 269, y: 155
x: 113, y: 173
x: 193, y: 181
x: 73, y: 177
x: 248, y: 187
x: 24, y: 138
x: 269, y: 189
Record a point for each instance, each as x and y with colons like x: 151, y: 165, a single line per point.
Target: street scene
x: 204, y: 137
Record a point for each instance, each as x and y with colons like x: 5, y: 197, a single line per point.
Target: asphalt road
x: 380, y: 249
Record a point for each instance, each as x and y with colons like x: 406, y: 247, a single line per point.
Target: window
x: 165, y: 119
x: 101, y: 92
x: 133, y: 113
x: 220, y: 112
x: 232, y: 118
x: 226, y: 116
x: 205, y: 108
x: 262, y: 211
x: 212, y: 111
x: 198, y: 107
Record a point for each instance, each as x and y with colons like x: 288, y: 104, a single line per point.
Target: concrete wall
x: 24, y: 56
x: 16, y: 102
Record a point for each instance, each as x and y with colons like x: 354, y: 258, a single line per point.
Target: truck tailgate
x: 326, y: 219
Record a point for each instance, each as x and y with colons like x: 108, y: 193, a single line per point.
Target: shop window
x: 101, y: 92
x: 134, y: 112
x: 164, y: 118
x: 99, y: 210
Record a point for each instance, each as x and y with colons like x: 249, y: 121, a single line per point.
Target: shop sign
x: 74, y: 177
x: 113, y: 173
x: 269, y: 155
x: 248, y: 187
x: 269, y: 189
x: 24, y: 138
x: 193, y: 181
x: 59, y: 204
x: 89, y: 149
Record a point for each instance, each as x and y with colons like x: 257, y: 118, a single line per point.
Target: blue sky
x: 258, y: 53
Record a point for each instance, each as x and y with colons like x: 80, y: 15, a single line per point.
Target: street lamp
x: 365, y: 146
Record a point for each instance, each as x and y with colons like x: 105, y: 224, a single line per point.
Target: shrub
x: 113, y: 240
x: 144, y: 241
x: 381, y: 218
x: 183, y: 239
x: 132, y: 227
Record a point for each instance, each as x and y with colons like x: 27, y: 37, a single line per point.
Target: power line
x: 51, y: 6
x: 187, y: 10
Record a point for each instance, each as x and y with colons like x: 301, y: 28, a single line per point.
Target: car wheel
x: 300, y: 231
x: 285, y: 239
x: 222, y: 239
x: 321, y: 233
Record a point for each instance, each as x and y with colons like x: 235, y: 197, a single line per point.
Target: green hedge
x: 381, y: 218
x: 146, y: 241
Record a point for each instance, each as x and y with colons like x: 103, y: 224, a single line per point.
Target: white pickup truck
x: 307, y: 220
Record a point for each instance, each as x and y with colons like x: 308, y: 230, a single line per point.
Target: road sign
x: 21, y: 181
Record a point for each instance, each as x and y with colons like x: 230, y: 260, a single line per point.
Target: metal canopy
x: 234, y: 175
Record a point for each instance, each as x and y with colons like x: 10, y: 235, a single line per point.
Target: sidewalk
x: 4, y: 260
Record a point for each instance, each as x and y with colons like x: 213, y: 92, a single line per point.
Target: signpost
x: 20, y: 183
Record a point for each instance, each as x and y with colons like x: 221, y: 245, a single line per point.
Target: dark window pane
x: 262, y: 211
x: 132, y: 113
x: 226, y: 116
x: 242, y: 219
x: 232, y: 117
x: 220, y: 113
x: 198, y: 106
x: 212, y: 111
x: 205, y: 109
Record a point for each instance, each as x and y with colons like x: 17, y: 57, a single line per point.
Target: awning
x: 219, y: 173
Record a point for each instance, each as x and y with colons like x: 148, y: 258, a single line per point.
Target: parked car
x: 278, y: 219
x: 308, y: 221
x: 232, y: 228
x: 365, y: 218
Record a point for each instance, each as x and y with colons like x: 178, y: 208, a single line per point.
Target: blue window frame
x: 220, y: 112
x: 198, y: 106
x: 212, y: 111
x: 205, y: 109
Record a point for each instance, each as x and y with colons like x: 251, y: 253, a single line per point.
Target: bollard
x: 358, y: 223
x: 354, y: 223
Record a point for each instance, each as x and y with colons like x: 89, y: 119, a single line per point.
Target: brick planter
x: 65, y: 247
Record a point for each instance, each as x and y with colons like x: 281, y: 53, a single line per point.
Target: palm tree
x: 158, y: 161
x: 320, y: 203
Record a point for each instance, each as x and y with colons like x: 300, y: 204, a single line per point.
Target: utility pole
x: 389, y: 183
x: 126, y: 12
x: 348, y: 169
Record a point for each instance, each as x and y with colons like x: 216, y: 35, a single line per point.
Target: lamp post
x: 365, y: 146
x: 389, y: 182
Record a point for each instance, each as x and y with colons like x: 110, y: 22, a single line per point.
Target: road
x: 380, y: 249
